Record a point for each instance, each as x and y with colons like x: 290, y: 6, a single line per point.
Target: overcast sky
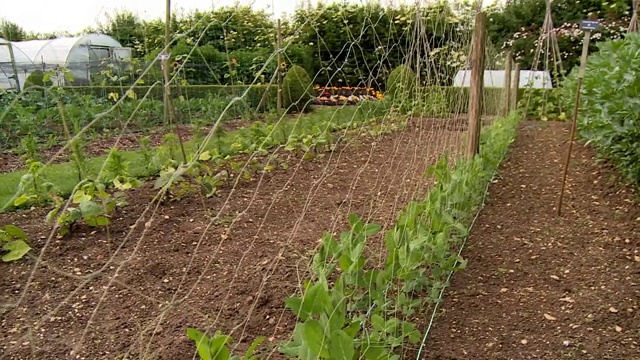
x: 76, y: 15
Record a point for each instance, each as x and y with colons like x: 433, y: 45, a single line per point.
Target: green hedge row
x: 253, y: 97
x: 456, y: 99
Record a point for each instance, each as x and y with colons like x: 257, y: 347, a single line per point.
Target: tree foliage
x: 518, y: 25
x: 12, y: 31
x: 355, y: 44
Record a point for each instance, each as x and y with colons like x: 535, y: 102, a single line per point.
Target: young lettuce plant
x: 14, y: 243
x: 92, y: 204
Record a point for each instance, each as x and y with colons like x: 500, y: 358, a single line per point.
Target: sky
x: 46, y: 16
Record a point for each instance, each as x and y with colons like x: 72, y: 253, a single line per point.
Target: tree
x: 12, y: 31
x: 124, y: 26
x: 517, y: 26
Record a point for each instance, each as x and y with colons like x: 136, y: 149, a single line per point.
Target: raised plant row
x: 351, y: 310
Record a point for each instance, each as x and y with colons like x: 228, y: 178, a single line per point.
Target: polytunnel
x: 15, y: 66
x: 81, y: 55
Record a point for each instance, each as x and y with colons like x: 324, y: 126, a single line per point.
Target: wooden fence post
x: 279, y: 67
x: 515, y: 86
x: 507, y: 83
x: 477, y: 84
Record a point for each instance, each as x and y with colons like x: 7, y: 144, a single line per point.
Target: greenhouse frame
x: 534, y: 79
x: 82, y: 56
x: 15, y: 66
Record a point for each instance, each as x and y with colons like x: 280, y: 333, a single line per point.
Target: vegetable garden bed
x: 235, y: 278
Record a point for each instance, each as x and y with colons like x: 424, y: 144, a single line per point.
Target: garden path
x: 539, y: 286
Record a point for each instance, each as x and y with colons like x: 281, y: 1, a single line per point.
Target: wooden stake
x: 165, y: 64
x: 515, y: 87
x: 279, y: 70
x: 477, y: 84
x: 168, y: 104
x: 574, y: 122
x: 507, y: 83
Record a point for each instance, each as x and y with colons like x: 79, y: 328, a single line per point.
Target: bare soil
x: 542, y: 286
x: 225, y: 263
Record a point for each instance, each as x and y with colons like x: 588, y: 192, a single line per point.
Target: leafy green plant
x: 610, y: 104
x: 33, y: 187
x: 167, y: 154
x: 401, y: 84
x: 29, y: 147
x: 350, y: 319
x: 91, y: 203
x: 216, y: 347
x: 543, y: 104
x: 14, y: 243
x: 297, y: 89
x: 116, y: 171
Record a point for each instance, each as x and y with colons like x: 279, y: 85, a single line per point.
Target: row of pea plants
x: 351, y: 310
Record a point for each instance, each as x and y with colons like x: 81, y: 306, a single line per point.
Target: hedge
x: 253, y: 97
x: 457, y: 98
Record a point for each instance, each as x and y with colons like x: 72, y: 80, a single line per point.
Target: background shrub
x: 297, y: 89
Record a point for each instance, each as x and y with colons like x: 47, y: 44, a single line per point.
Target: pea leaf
x: 341, y: 346
x: 313, y: 336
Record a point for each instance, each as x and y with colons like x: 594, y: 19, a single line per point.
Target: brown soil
x: 539, y: 286
x: 211, y: 264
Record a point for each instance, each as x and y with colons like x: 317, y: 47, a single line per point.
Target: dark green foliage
x: 517, y: 26
x: 610, y: 104
x: 12, y: 31
x: 401, y: 83
x: 36, y: 78
x: 542, y: 104
x: 297, y: 90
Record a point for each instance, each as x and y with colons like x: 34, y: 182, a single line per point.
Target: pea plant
x: 216, y: 347
x: 350, y: 311
x: 354, y: 317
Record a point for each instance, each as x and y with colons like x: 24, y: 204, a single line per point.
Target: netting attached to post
x: 547, y: 50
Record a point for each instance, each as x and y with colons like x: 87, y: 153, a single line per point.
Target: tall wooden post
x: 165, y: 64
x: 477, y: 84
x: 587, y: 26
x: 515, y: 86
x: 168, y: 104
x: 507, y: 83
x: 279, y: 71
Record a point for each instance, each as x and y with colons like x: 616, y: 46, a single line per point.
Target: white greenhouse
x: 15, y: 66
x: 496, y: 79
x: 81, y: 55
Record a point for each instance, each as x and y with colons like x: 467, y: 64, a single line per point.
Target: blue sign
x: 589, y: 25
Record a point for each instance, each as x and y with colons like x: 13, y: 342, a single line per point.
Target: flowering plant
x: 332, y: 95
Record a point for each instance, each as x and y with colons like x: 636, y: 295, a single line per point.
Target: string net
x: 546, y: 72
x: 142, y: 225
